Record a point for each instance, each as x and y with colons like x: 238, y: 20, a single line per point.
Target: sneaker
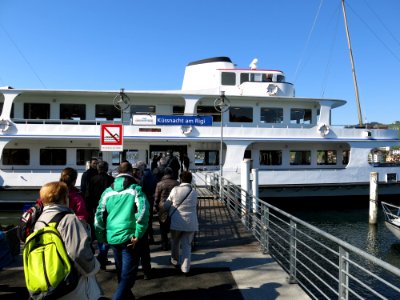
x: 174, y: 262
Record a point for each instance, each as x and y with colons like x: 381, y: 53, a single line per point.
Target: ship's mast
x: 352, y: 67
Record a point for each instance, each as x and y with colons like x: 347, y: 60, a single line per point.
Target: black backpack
x: 28, y: 220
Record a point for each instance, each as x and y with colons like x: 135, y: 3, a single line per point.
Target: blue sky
x: 145, y: 45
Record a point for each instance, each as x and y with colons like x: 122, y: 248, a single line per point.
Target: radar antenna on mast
x: 253, y: 64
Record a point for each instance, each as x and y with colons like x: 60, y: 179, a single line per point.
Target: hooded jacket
x: 74, y: 235
x: 122, y: 213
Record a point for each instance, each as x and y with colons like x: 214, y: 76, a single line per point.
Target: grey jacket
x: 75, y: 236
x: 183, y: 214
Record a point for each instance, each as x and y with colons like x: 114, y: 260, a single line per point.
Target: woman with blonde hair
x: 76, y: 201
x: 54, y: 196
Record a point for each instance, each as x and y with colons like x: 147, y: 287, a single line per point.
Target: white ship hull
x: 290, y: 141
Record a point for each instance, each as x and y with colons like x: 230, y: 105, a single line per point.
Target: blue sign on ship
x: 184, y: 120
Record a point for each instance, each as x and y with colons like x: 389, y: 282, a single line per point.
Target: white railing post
x: 265, y: 231
x: 343, y: 271
x: 245, y: 185
x: 254, y: 188
x: 245, y: 182
x: 373, y: 198
x: 292, y: 252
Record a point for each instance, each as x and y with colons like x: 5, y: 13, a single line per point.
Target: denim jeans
x: 126, y: 263
x: 103, y: 253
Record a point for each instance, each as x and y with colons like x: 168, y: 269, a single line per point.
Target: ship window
x: 241, y: 114
x: 16, y: 157
x: 346, y: 155
x: 271, y: 115
x: 300, y: 116
x: 247, y: 154
x: 244, y: 77
x: 178, y: 110
x: 300, y: 157
x: 130, y: 155
x: 53, y: 157
x: 271, y: 157
x: 256, y: 77
x: 143, y: 109
x: 280, y: 78
x: 84, y: 155
x: 206, y: 157
x: 73, y: 111
x: 228, y: 78
x: 209, y: 111
x: 326, y: 157
x: 108, y: 112
x: 384, y: 157
x: 36, y: 110
x: 267, y: 78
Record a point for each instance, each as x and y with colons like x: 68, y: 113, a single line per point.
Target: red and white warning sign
x: 111, y: 137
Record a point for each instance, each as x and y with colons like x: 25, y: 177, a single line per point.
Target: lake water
x: 351, y: 225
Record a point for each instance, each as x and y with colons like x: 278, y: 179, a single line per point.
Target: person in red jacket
x: 76, y: 202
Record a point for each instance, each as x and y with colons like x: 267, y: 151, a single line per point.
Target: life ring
x: 6, y: 124
x: 272, y: 89
x: 186, y: 129
x: 323, y: 129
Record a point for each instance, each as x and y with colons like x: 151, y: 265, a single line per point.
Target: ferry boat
x: 250, y: 114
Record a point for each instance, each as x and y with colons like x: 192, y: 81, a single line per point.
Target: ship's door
x: 157, y: 150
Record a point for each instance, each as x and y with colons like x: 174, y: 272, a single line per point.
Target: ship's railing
x: 65, y: 121
x: 326, y: 267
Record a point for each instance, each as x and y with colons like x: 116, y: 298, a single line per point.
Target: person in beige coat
x: 182, y: 206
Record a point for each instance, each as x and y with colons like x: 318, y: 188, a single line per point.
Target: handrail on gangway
x: 325, y: 266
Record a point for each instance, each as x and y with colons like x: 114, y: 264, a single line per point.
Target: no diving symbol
x: 111, y: 134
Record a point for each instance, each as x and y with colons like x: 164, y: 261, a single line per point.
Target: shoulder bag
x: 167, y: 221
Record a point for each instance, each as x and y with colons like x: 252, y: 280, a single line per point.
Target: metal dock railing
x: 325, y: 267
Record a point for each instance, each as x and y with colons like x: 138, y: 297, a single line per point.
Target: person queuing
x: 173, y: 163
x: 77, y: 241
x: 121, y: 220
x: 98, y: 183
x: 76, y: 201
x: 161, y: 194
x: 182, y: 206
x: 148, y: 184
x: 159, y: 171
x: 88, y: 174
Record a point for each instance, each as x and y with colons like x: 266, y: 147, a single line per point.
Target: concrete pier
x: 226, y: 264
